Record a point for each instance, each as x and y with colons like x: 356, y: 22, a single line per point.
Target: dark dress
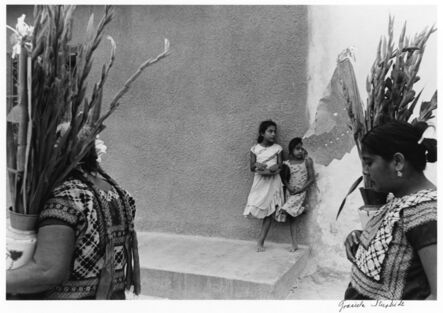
x: 104, y: 263
x: 387, y: 263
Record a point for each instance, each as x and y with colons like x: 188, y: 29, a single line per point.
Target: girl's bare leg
x: 293, y: 230
x: 266, y: 225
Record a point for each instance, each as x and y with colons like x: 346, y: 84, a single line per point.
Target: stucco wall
x: 189, y: 122
x: 180, y: 142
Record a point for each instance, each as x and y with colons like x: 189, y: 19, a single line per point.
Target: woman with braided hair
x: 395, y: 256
x: 86, y: 243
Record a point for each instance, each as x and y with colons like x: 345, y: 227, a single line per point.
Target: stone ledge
x: 192, y: 267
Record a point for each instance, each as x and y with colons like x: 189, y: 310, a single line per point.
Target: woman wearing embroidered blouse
x: 395, y: 256
x: 86, y: 244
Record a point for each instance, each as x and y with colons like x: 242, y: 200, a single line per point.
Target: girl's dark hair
x: 394, y: 136
x: 263, y: 127
x: 294, y: 141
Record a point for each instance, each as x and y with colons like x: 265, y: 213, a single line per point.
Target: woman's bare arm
x: 50, y: 265
x: 428, y: 258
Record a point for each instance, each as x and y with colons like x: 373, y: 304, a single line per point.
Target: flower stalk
x: 390, y: 84
x: 52, y: 89
x: 390, y: 89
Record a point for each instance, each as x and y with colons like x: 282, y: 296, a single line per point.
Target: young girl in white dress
x: 266, y: 196
x: 301, y: 177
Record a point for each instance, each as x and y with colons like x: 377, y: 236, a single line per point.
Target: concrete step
x: 192, y: 267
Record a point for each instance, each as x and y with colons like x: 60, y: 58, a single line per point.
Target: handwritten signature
x: 342, y: 305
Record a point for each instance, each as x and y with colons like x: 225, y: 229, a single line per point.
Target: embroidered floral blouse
x: 387, y: 263
x: 101, y: 221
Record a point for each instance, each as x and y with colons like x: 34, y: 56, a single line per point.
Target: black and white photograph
x: 221, y: 151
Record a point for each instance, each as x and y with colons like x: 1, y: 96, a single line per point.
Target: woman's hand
x: 351, y: 244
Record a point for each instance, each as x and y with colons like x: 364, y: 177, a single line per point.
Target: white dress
x: 266, y: 195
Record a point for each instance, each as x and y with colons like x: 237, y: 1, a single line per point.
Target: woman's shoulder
x: 424, y: 196
x: 420, y: 208
x: 69, y: 202
x: 73, y: 191
x: 127, y: 196
x: 70, y: 186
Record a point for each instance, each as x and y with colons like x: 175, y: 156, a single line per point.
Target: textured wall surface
x: 180, y: 141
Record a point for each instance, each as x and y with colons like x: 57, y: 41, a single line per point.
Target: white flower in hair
x: 100, y: 148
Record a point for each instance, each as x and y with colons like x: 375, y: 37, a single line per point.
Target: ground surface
x: 323, y: 284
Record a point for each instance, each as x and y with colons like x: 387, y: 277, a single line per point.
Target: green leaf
x: 354, y: 185
x: 90, y: 30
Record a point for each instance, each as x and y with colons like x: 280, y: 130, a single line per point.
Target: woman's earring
x: 399, y: 173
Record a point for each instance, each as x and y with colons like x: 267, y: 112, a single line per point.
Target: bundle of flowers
x: 390, y: 88
x: 52, y: 76
x: 390, y: 84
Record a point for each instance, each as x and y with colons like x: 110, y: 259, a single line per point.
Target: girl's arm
x: 280, y: 159
x: 252, y: 161
x: 291, y: 189
x: 311, y: 176
x: 253, y: 164
x: 50, y: 265
x: 428, y: 258
x: 274, y: 169
x: 285, y: 182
